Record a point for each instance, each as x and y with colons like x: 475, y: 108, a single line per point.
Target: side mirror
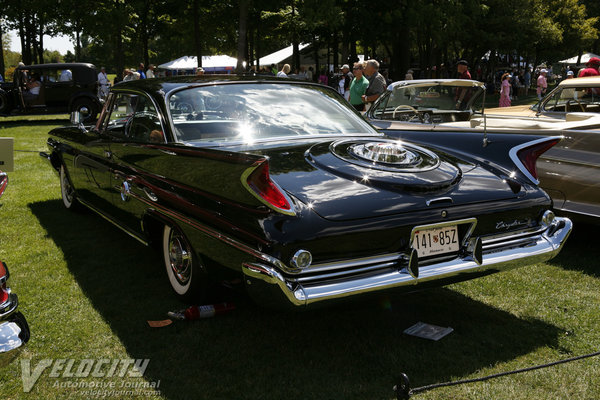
x: 77, y: 119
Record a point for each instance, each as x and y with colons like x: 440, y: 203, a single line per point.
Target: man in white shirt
x: 150, y: 71
x: 103, y: 84
x: 65, y: 76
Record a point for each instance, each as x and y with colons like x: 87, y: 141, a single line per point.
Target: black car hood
x: 375, y: 177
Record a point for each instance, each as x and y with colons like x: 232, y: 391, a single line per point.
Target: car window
x: 245, y: 112
x: 59, y: 75
x: 432, y: 98
x: 134, y: 117
x: 574, y: 99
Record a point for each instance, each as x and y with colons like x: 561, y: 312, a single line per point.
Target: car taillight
x: 261, y: 185
x: 3, y: 278
x: 3, y: 293
x: 528, y: 154
x: 3, y: 182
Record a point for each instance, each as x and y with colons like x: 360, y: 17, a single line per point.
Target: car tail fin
x: 526, y: 155
x: 258, y: 182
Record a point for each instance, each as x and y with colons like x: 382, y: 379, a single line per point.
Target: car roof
x: 169, y: 83
x: 592, y: 81
x: 58, y: 65
x: 442, y: 82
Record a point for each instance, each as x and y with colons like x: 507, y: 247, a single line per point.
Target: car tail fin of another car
x: 526, y: 155
x: 258, y: 182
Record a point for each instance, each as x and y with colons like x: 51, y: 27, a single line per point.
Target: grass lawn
x: 87, y: 290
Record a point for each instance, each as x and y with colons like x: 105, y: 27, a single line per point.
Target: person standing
x: 591, y: 68
x: 527, y: 80
x: 505, y: 91
x: 103, y: 83
x: 150, y: 72
x: 284, y: 71
x: 542, y: 84
x: 309, y: 74
x: 570, y: 74
x: 462, y: 68
x: 358, y: 87
x: 323, y: 79
x: 377, y: 83
x: 141, y: 71
x: 347, y: 78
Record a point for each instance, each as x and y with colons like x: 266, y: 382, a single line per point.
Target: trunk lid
x: 375, y: 177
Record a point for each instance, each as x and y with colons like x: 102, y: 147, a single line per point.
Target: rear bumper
x: 14, y: 331
x: 268, y: 285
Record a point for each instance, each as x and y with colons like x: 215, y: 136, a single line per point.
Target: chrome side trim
x: 266, y: 284
x: 115, y: 223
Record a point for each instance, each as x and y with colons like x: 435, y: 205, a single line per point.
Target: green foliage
x: 422, y: 33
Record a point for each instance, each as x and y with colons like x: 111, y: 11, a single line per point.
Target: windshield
x: 246, y: 112
x: 578, y: 99
x: 434, y: 98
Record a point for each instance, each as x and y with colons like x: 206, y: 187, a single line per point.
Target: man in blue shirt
x: 141, y: 71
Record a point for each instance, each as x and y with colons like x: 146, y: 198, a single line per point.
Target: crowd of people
x: 364, y: 83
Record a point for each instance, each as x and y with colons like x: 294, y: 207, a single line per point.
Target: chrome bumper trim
x: 270, y: 286
x: 14, y: 334
x: 9, y: 306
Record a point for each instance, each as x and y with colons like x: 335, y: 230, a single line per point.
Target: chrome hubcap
x: 180, y: 257
x: 66, y: 188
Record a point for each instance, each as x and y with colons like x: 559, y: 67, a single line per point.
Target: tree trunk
x: 2, y: 66
x: 336, y: 54
x: 197, y: 39
x: 41, y: 41
x: 295, y: 41
x: 145, y: 38
x: 242, y: 38
x: 78, y: 44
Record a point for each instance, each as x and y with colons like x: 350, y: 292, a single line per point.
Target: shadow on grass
x: 579, y: 254
x: 13, y: 123
x: 351, y: 351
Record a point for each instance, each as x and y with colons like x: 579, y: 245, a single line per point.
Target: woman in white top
x: 284, y: 71
x: 33, y: 88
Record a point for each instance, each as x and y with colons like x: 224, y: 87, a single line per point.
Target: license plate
x: 436, y: 241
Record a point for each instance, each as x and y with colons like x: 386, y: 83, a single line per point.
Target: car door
x: 134, y: 159
x: 58, y: 87
x: 569, y: 172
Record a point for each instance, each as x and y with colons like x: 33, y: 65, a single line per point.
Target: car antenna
x: 485, y: 138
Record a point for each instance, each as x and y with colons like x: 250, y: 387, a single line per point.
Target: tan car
x: 569, y: 172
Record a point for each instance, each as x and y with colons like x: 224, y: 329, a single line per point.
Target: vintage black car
x: 282, y: 184
x: 63, y: 88
x: 14, y: 331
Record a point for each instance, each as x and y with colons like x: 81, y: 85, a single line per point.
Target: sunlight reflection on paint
x: 246, y: 132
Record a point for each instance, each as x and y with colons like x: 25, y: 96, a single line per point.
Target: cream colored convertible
x: 569, y: 172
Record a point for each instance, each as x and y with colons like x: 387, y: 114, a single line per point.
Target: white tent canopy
x: 218, y: 62
x: 280, y: 55
x: 584, y: 59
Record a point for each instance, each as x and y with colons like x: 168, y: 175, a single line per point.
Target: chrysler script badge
x: 512, y: 224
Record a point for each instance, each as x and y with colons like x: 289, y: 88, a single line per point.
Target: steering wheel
x: 578, y: 103
x: 410, y: 108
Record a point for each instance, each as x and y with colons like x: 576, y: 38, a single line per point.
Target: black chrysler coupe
x: 282, y: 186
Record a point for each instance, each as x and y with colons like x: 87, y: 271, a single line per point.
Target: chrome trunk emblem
x: 385, y: 152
